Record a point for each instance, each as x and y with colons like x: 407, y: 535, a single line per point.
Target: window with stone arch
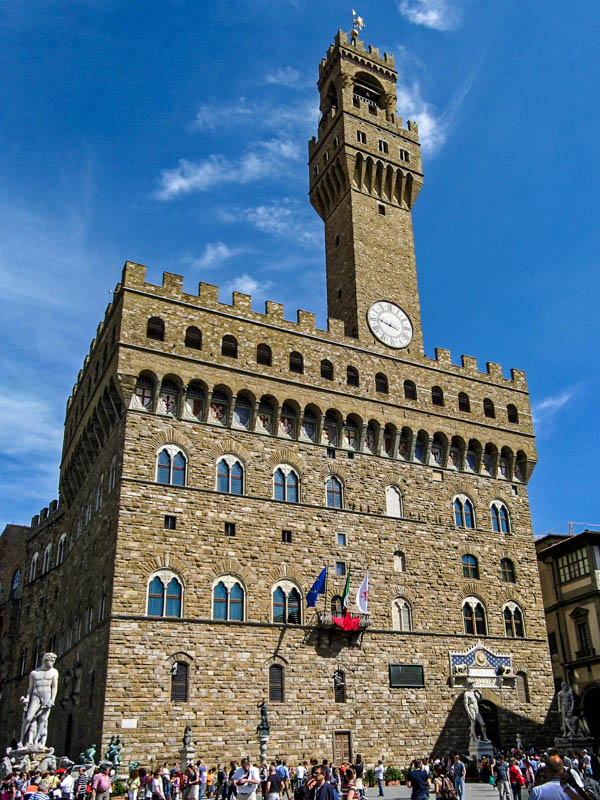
x: 500, y: 517
x: 171, y: 466
x: 168, y: 398
x: 33, y: 567
x: 464, y: 514
x: 165, y: 594
x: 326, y: 370
x: 276, y: 683
x: 488, y: 408
x: 179, y: 682
x: 334, y: 492
x: 61, y: 549
x: 15, y: 584
x: 287, y: 603
x: 381, y: 383
x: 46, y: 559
x: 513, y: 620
x: 410, y: 390
x: 144, y: 392
x: 230, y: 475
x: 352, y: 378
x: 228, y: 596
x: 512, y: 413
x: 474, y: 616
x: 112, y: 475
x: 339, y: 686
x: 402, y: 615
x: 296, y: 363
x: 263, y: 355
x: 193, y: 338
x: 507, y: 571
x: 464, y: 403
x: 470, y: 566
x: 437, y: 396
x: 155, y: 329
x: 399, y: 561
x: 522, y: 687
x: 393, y: 501
x: 229, y: 346
x: 286, y: 484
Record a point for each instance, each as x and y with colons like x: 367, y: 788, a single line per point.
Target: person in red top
x: 101, y: 784
x: 516, y: 778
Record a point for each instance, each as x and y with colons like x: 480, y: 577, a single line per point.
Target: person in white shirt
x: 300, y: 775
x: 66, y: 787
x: 246, y: 778
x: 379, y: 774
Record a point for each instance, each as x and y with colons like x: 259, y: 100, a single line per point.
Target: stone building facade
x: 216, y: 459
x: 569, y: 568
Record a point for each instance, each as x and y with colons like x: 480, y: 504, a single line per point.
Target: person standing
x: 359, y: 771
x: 552, y: 789
x: 273, y: 784
x: 156, y: 787
x: 379, y: 775
x: 323, y: 789
x: 459, y: 772
x: 246, y: 779
x: 418, y: 781
x: 502, y: 775
x: 101, y: 784
x: 284, y: 774
x: 516, y: 778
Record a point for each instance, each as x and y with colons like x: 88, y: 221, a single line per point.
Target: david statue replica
x: 478, y: 745
x: 40, y: 697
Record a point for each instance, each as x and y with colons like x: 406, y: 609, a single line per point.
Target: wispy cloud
x: 215, y: 254
x: 545, y: 411
x: 440, y: 15
x: 263, y: 115
x: 286, y: 76
x: 286, y: 218
x: 248, y: 285
x: 37, y: 431
x: 268, y: 158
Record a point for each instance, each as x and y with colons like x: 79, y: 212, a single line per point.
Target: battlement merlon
x: 343, y: 43
x: 134, y: 277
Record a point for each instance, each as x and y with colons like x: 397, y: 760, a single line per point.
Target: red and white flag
x: 362, y: 596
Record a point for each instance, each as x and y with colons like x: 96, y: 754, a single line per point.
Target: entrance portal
x: 489, y: 712
x: 591, y: 710
x: 342, y: 747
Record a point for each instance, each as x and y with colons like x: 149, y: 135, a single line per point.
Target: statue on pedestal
x: 187, y: 736
x: 113, y: 752
x: 264, y: 720
x: 88, y: 756
x: 471, y: 699
x: 38, y: 701
x: 566, y: 704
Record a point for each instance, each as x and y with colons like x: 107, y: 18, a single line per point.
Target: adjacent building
x: 216, y: 458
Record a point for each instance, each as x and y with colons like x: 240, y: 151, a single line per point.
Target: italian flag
x: 346, y: 595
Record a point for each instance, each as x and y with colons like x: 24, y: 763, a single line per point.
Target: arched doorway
x: 68, y: 735
x: 489, y: 712
x: 590, y: 703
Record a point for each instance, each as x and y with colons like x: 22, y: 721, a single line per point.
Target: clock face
x: 389, y: 324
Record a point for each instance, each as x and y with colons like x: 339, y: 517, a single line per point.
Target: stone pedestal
x: 31, y: 757
x: 187, y: 755
x: 479, y: 748
x: 263, y: 740
x: 578, y: 743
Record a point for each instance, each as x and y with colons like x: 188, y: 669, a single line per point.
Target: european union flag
x: 318, y: 588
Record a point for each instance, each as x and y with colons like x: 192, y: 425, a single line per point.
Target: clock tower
x: 365, y: 175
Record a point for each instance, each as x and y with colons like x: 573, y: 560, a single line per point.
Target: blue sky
x: 174, y: 134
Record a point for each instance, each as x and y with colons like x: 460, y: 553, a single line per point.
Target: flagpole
x: 325, y: 592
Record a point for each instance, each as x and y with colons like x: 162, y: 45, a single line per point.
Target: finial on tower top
x: 358, y: 24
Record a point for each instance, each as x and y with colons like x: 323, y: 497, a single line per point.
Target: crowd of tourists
x: 545, y: 776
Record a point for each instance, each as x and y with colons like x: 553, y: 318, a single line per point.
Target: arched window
x: 381, y: 383
x: 228, y: 599
x: 168, y: 399
x: 500, y: 518
x: 287, y: 604
x: 326, y: 370
x: 46, y: 560
x: 352, y: 376
x: 339, y: 686
x: 512, y: 413
x: 437, y: 396
x: 470, y: 566
x: 264, y: 418
x: 399, y: 561
x: 242, y: 411
x: 522, y: 687
x: 464, y: 516
x: 155, y: 329
x: 513, y: 621
x: 410, y: 390
x: 229, y: 346
x: 14, y: 584
x: 350, y: 438
x: 144, y: 391
x: 330, y: 429
x: 165, y: 595
x: 112, y: 475
x: 474, y: 620
x: 401, y: 614
x: 308, y: 429
x: 421, y: 446
x: 439, y: 446
x: 334, y: 492
x: 507, y: 569
x: 337, y: 605
x: 464, y: 404
x: 171, y: 466
x: 179, y: 682
x: 393, y: 501
x: 263, y: 355
x: 276, y: 683
x: 33, y: 567
x: 99, y: 493
x: 193, y: 338
x: 287, y: 421
x: 296, y: 363
x: 219, y: 408
x: 194, y: 401
x: 285, y: 484
x: 61, y: 549
x: 488, y: 408
x: 230, y: 476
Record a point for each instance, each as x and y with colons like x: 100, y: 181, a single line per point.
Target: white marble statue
x: 40, y: 697
x: 471, y: 699
x: 566, y: 704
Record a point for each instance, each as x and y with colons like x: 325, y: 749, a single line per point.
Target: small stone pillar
x: 263, y: 740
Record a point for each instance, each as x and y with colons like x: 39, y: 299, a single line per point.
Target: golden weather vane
x: 358, y: 24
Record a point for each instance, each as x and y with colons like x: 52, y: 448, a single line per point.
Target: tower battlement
x: 356, y: 48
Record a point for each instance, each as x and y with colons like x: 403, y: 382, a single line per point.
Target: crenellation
x: 208, y: 293
x: 335, y: 328
x: 172, y: 283
x: 242, y: 301
x: 274, y: 310
x: 133, y: 275
x: 306, y: 321
x: 469, y: 363
x: 519, y: 378
x: 495, y: 371
x: 443, y: 357
x: 35, y: 520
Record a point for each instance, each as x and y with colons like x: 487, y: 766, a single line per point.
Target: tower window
x: 193, y: 338
x: 230, y: 529
x: 410, y: 390
x: 337, y: 242
x: 437, y: 396
x: 336, y: 141
x: 339, y: 686
x: 179, y: 682
x: 276, y: 684
x: 170, y: 522
x: 316, y: 169
x: 340, y: 568
x: 463, y: 402
x: 263, y: 355
x: 229, y: 346
x: 286, y: 536
x: 404, y: 155
x: 512, y: 413
x: 488, y: 408
x: 381, y: 209
x: 381, y: 383
x: 296, y: 363
x: 155, y: 329
x: 326, y: 156
x: 383, y: 146
x: 352, y: 376
x: 326, y: 370
x: 361, y: 136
